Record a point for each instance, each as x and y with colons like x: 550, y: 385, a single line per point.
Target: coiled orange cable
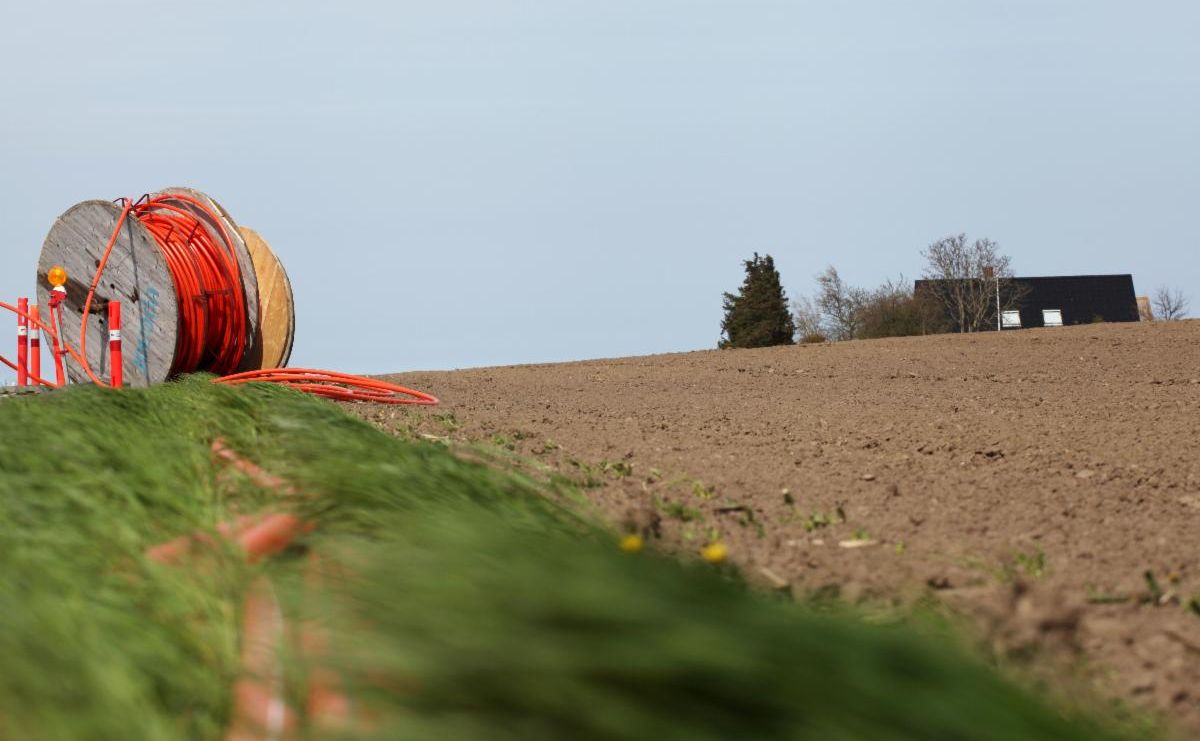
x: 212, y: 308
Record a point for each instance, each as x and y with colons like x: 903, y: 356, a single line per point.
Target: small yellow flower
x: 631, y: 543
x: 715, y: 552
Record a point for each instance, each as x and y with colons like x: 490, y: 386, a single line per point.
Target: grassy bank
x: 461, y: 602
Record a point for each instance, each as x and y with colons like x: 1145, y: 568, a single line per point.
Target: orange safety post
x: 22, y: 342
x: 114, y: 343
x: 35, y: 342
x: 57, y: 296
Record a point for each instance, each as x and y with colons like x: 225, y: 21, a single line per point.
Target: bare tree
x: 840, y: 305
x: 964, y: 279
x: 807, y: 317
x: 1170, y: 304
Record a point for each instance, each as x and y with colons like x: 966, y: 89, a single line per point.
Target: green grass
x: 463, y: 602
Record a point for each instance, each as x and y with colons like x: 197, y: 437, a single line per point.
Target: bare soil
x: 1043, y: 483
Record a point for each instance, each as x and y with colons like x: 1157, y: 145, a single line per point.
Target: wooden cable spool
x: 277, y: 312
x: 137, y: 275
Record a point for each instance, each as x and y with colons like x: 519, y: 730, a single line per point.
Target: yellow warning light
x: 57, y: 276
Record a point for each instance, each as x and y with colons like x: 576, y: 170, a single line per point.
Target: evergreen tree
x: 757, y: 316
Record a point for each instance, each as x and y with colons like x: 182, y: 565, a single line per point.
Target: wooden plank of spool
x: 245, y: 263
x: 268, y: 268
x: 136, y: 274
x: 275, y: 301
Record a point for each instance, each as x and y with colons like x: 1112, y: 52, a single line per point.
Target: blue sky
x: 456, y: 184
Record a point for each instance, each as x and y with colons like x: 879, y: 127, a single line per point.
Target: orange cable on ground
x: 260, y: 710
x: 334, y: 385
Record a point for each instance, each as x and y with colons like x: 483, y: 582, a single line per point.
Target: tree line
x: 963, y: 282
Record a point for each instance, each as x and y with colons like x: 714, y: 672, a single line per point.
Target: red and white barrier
x: 35, y: 342
x: 22, y: 342
x: 114, y: 344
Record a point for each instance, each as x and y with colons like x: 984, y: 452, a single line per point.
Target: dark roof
x: 1081, y: 298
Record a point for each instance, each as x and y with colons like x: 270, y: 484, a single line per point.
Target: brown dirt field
x: 1030, y: 480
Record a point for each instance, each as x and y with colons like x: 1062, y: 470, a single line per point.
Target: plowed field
x: 1044, y: 483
